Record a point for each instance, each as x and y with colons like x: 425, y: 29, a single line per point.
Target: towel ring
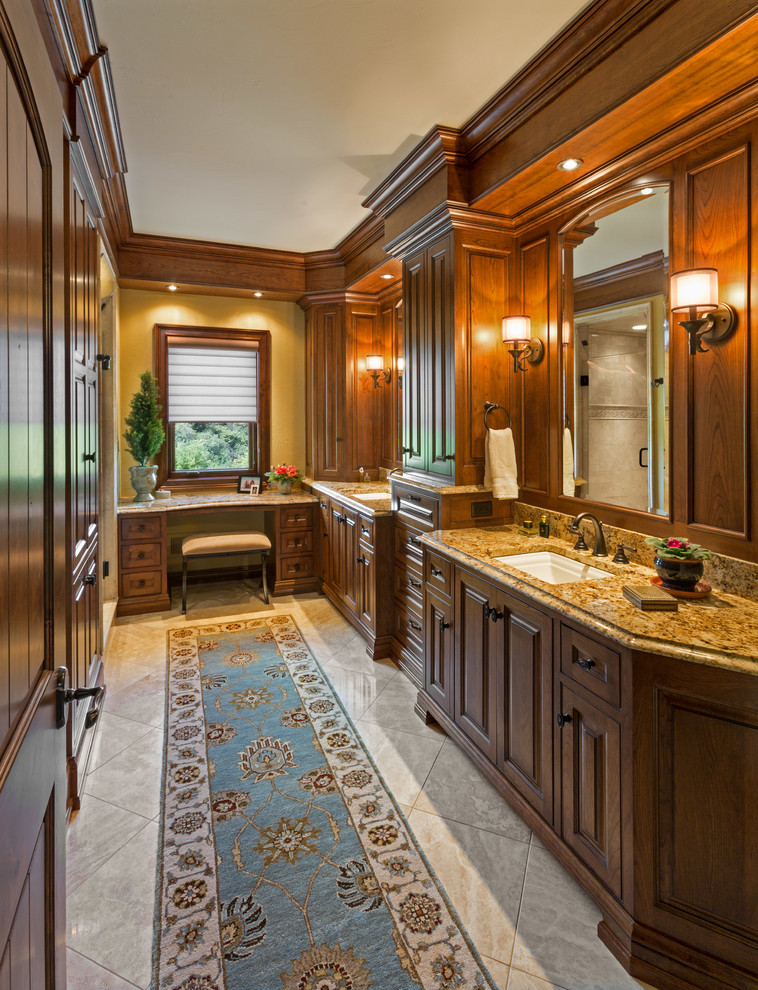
x: 489, y: 407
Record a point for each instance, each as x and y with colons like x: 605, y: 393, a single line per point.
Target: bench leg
x: 264, y: 558
x: 184, y: 585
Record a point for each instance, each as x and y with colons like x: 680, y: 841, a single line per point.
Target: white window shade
x: 212, y: 385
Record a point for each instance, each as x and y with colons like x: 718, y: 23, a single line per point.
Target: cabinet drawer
x: 141, y: 527
x: 135, y: 584
x: 417, y: 506
x: 298, y: 517
x: 142, y: 555
x: 291, y: 568
x: 408, y: 547
x: 366, y: 530
x: 408, y: 629
x: 408, y: 587
x: 438, y: 574
x: 296, y: 542
x: 593, y: 664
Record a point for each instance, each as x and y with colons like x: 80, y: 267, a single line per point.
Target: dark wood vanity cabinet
x: 639, y: 772
x: 355, y: 568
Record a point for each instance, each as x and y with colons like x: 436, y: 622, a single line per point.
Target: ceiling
x: 267, y: 122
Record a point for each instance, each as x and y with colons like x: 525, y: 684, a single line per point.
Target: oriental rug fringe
x: 286, y: 864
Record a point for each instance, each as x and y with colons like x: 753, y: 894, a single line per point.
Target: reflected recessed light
x: 647, y: 191
x: 640, y: 326
x: 172, y: 287
x: 570, y: 164
x: 386, y: 275
x: 257, y: 295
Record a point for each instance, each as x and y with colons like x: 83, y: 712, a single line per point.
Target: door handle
x: 643, y: 450
x: 444, y: 625
x: 89, y: 457
x: 90, y: 579
x: 65, y: 695
x: 562, y: 718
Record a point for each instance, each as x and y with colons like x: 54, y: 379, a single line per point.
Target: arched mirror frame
x: 569, y: 236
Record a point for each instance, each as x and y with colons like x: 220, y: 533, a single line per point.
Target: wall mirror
x: 615, y: 352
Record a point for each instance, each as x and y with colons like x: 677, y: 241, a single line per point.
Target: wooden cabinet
x: 293, y: 561
x: 143, y: 582
x: 355, y: 569
x: 637, y: 771
x: 429, y: 351
x: 325, y: 391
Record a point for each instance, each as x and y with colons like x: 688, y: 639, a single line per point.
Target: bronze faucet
x: 599, y: 549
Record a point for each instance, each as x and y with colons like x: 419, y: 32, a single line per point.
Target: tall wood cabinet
x: 456, y: 290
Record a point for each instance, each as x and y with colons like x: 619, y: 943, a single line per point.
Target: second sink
x: 552, y: 568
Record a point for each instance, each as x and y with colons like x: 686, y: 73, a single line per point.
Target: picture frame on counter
x: 249, y: 484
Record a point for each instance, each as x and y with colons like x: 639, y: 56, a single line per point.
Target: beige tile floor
x: 534, y: 927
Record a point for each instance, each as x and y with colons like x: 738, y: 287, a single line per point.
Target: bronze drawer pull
x: 413, y: 498
x: 444, y: 625
x: 364, y: 530
x: 562, y: 718
x: 414, y: 584
x: 586, y: 664
x: 414, y: 625
x: 415, y: 541
x: 436, y: 571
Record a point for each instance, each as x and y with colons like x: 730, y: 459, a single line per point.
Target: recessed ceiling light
x: 570, y: 164
x: 640, y: 326
x: 647, y: 191
x: 386, y: 275
x: 257, y: 295
x: 172, y: 287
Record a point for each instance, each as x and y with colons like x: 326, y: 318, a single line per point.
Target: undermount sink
x: 553, y: 568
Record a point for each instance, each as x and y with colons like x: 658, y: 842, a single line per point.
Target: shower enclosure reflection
x: 615, y: 352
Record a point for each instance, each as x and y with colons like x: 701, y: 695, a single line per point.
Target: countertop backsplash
x: 728, y: 574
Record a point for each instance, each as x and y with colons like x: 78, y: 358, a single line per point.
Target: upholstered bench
x: 224, y: 545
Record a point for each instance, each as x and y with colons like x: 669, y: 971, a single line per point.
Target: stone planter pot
x: 680, y: 574
x: 144, y: 478
x: 285, y: 487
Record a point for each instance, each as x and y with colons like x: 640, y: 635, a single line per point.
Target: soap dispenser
x: 544, y: 526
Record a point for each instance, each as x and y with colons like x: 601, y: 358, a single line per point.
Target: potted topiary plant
x: 144, y: 436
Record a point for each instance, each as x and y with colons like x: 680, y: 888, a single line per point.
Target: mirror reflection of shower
x: 616, y: 369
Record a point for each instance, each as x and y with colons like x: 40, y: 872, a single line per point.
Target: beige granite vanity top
x: 215, y: 501
x: 355, y: 494
x: 721, y: 630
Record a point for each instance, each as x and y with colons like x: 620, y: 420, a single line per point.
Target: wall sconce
x: 375, y: 367
x: 697, y: 291
x: 400, y: 370
x: 517, y: 330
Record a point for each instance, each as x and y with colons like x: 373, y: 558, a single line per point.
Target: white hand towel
x: 568, y: 463
x: 500, y: 472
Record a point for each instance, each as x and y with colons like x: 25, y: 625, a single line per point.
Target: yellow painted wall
x: 139, y: 310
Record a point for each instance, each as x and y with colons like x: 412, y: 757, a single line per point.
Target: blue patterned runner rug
x: 286, y: 864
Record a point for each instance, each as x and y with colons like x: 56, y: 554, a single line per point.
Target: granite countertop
x: 720, y: 630
x: 214, y: 501
x: 370, y: 497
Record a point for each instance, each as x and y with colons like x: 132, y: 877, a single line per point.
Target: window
x: 215, y: 392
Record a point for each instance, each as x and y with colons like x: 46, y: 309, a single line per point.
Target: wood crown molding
x: 442, y: 219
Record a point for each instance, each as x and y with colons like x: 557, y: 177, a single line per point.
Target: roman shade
x: 212, y: 384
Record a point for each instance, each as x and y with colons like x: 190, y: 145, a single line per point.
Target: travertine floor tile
x: 498, y: 971
x: 483, y: 875
x: 355, y: 690
x: 110, y: 914
x: 97, y: 832
x: 114, y: 734
x: 404, y: 760
x: 83, y: 974
x: 458, y: 791
x: 393, y: 709
x: 132, y: 779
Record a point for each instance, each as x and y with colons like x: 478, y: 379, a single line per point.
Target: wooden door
x: 591, y: 785
x: 82, y: 311
x: 323, y: 536
x: 415, y: 375
x: 524, y: 700
x: 478, y: 637
x: 439, y: 426
x: 367, y: 586
x: 32, y: 504
x: 337, y: 548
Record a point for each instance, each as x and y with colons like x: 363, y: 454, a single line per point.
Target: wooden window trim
x: 165, y: 335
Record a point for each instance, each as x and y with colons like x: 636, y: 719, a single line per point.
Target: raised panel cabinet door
x: 324, y: 548
x: 367, y: 586
x: 478, y: 643
x: 353, y: 561
x: 524, y: 698
x: 591, y: 785
x: 415, y: 375
x: 438, y: 651
x: 337, y: 546
x: 327, y: 392
x: 439, y: 418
